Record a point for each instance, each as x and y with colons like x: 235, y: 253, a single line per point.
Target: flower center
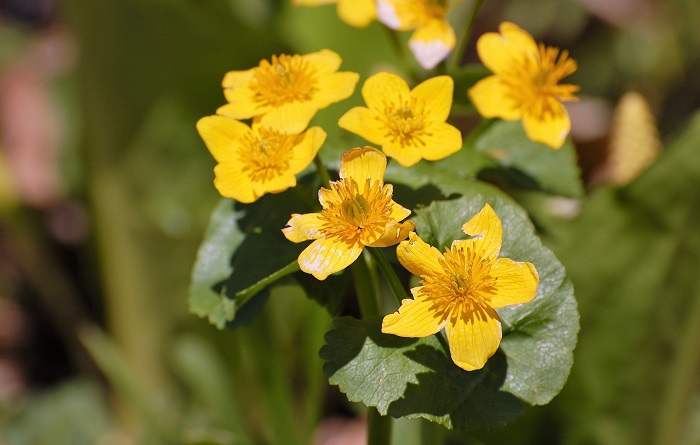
x: 266, y: 154
x: 533, y: 81
x: 405, y: 124
x: 285, y: 79
x: 356, y: 215
x: 466, y: 282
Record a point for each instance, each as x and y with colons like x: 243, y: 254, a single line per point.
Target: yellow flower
x: 288, y: 91
x: 258, y: 160
x: 525, y: 84
x: 434, y: 37
x: 359, y: 13
x: 357, y: 211
x: 408, y: 124
x: 460, y: 290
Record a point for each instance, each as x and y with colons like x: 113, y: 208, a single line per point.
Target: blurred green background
x: 106, y: 188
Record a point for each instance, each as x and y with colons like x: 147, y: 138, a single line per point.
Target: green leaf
x: 426, y: 182
x: 539, y: 337
x: 244, y: 251
x: 409, y: 377
x: 213, y: 266
x: 414, y: 377
x: 236, y: 255
x: 527, y: 164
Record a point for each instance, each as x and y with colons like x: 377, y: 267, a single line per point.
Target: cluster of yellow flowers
x: 460, y: 288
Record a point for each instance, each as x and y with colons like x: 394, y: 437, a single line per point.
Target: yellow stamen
x: 284, y: 79
x: 266, y: 155
x: 355, y: 215
x: 405, y: 124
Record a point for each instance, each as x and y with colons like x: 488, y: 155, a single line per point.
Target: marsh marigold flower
x: 408, y: 124
x: 357, y: 212
x: 525, y: 84
x: 258, y: 160
x: 359, y: 13
x: 286, y: 92
x: 460, y: 290
x: 433, y: 38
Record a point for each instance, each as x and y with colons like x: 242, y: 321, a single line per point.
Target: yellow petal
x: 303, y: 227
x: 363, y: 122
x: 418, y: 257
x: 275, y: 184
x: 328, y: 255
x: 242, y: 104
x: 235, y: 79
x: 487, y: 231
x: 432, y: 43
x: 358, y: 13
x: 498, y: 51
x: 417, y: 317
x: 436, y: 95
x: 406, y: 155
x: 335, y: 87
x: 222, y: 136
x: 549, y: 128
x: 517, y: 282
x: 473, y: 337
x: 232, y: 182
x: 393, y: 233
x: 443, y: 140
x: 399, y: 14
x: 305, y: 151
x: 291, y: 117
x: 492, y: 98
x: 361, y: 164
x: 398, y: 212
x: 324, y: 61
x: 383, y: 89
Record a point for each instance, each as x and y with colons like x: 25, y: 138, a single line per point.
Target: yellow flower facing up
x: 258, y: 160
x: 358, y: 13
x: 408, y: 124
x: 433, y: 38
x: 461, y: 289
x: 286, y: 92
x: 525, y: 85
x: 358, y: 211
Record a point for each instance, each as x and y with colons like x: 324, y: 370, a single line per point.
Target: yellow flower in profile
x: 461, y: 289
x: 258, y: 160
x: 525, y: 84
x: 358, y: 211
x: 408, y: 124
x: 358, y: 13
x: 433, y: 38
x: 286, y: 92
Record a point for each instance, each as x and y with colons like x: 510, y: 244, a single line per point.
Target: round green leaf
x: 407, y: 377
x: 527, y: 164
x: 416, y: 377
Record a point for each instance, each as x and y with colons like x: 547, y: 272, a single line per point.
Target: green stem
x: 246, y: 294
x: 378, y: 428
x: 389, y: 273
x: 681, y: 380
x: 401, y: 53
x: 367, y: 289
x: 464, y: 40
x: 322, y: 171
